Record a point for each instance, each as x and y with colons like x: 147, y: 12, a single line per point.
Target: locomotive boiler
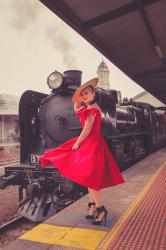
x: 131, y: 129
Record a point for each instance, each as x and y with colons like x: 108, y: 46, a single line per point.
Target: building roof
x: 148, y: 98
x: 130, y: 33
x: 9, y: 104
x: 139, y: 95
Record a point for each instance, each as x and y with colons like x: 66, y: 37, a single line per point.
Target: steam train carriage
x: 131, y: 129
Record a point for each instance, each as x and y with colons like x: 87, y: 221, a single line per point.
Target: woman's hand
x: 75, y: 146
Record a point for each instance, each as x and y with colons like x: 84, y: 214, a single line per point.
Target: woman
x: 86, y: 159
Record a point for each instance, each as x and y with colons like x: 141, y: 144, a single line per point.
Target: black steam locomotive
x: 131, y: 129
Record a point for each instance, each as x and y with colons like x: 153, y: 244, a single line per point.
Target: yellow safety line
x: 111, y: 235
x: 80, y: 238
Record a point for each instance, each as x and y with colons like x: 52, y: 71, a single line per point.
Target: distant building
x: 148, y: 98
x: 9, y: 120
x: 103, y: 75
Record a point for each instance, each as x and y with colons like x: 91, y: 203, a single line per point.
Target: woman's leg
x: 91, y: 205
x: 90, y: 195
x: 102, y: 212
x: 96, y: 196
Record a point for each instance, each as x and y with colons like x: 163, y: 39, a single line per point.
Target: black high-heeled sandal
x: 90, y: 216
x: 100, y: 210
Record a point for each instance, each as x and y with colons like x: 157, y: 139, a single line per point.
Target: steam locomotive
x: 131, y: 129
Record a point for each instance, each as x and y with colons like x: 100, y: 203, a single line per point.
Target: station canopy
x: 130, y: 33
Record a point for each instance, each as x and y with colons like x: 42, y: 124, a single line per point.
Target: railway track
x: 11, y: 224
x: 16, y: 223
x: 13, y: 229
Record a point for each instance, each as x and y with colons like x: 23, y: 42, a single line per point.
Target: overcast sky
x: 34, y: 42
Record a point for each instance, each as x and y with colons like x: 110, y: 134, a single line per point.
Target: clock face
x: 54, y: 80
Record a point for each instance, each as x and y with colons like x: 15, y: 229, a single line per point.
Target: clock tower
x: 103, y: 75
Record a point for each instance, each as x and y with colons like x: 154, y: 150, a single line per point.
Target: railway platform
x: 136, y: 215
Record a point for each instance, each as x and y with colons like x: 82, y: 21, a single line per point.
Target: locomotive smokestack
x: 74, y: 74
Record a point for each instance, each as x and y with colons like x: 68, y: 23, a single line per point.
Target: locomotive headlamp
x: 55, y: 80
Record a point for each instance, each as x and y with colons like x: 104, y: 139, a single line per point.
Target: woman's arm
x: 86, y: 130
x: 77, y: 106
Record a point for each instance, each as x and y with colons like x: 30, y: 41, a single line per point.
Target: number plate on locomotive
x: 33, y: 159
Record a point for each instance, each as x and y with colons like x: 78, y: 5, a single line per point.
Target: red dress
x: 92, y: 164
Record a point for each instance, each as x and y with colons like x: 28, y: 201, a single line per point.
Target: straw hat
x: 76, y: 96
